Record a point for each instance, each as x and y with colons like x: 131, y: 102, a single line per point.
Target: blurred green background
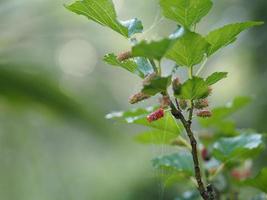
x: 55, y: 90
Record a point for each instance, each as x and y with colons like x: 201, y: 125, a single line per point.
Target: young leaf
x: 181, y: 162
x: 138, y: 116
x: 153, y: 50
x: 259, y: 182
x: 185, y: 12
x: 157, y: 85
x: 226, y: 35
x: 195, y: 88
x: 138, y: 66
x: 238, y: 147
x: 103, y: 12
x: 215, y: 77
x: 155, y: 137
x: 188, y: 50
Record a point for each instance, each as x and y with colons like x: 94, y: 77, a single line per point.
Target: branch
x: 187, y: 125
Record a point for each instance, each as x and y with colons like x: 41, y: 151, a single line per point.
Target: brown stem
x: 187, y: 125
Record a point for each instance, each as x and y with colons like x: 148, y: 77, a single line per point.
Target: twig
x: 187, y: 125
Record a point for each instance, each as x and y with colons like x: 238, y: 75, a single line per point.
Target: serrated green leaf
x: 153, y: 50
x: 103, y: 12
x: 157, y: 85
x: 138, y: 66
x: 259, y: 182
x: 188, y: 50
x: 239, y: 147
x: 138, y: 116
x: 195, y: 88
x: 227, y: 34
x: 185, y: 12
x: 181, y: 162
x: 215, y: 77
x: 155, y: 137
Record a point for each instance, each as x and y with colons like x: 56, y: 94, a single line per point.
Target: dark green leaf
x: 215, y: 77
x: 157, y: 85
x: 181, y: 162
x: 259, y: 182
x: 239, y: 147
x: 138, y: 66
x: 156, y: 137
x: 188, y: 50
x: 153, y: 50
x: 185, y: 12
x: 195, y: 88
x: 226, y: 35
x: 138, y: 116
x: 103, y: 12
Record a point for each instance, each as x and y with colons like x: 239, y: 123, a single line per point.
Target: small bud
x: 176, y: 85
x: 210, y: 90
x: 124, y: 56
x: 155, y: 115
x: 183, y: 104
x: 138, y: 97
x: 205, y: 154
x: 204, y: 113
x: 147, y: 80
x: 201, y: 103
x: 164, y: 101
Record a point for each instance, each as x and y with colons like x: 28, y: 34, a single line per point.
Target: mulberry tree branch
x: 187, y: 125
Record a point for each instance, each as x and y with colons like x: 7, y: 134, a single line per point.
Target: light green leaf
x: 153, y: 50
x: 226, y: 35
x: 215, y: 77
x: 138, y: 66
x: 239, y: 147
x: 259, y: 182
x: 103, y: 12
x: 195, y: 88
x: 188, y: 50
x: 156, y: 137
x: 138, y: 116
x: 157, y: 85
x: 185, y: 12
x: 181, y: 162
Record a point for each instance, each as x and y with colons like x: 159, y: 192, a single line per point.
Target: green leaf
x: 157, y: 85
x: 103, y: 12
x: 220, y: 113
x: 226, y: 35
x: 138, y: 66
x: 188, y: 50
x: 156, y: 137
x: 138, y: 116
x: 239, y: 147
x: 153, y: 50
x: 216, y: 77
x: 195, y: 88
x: 259, y: 182
x: 181, y: 162
x: 185, y: 12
